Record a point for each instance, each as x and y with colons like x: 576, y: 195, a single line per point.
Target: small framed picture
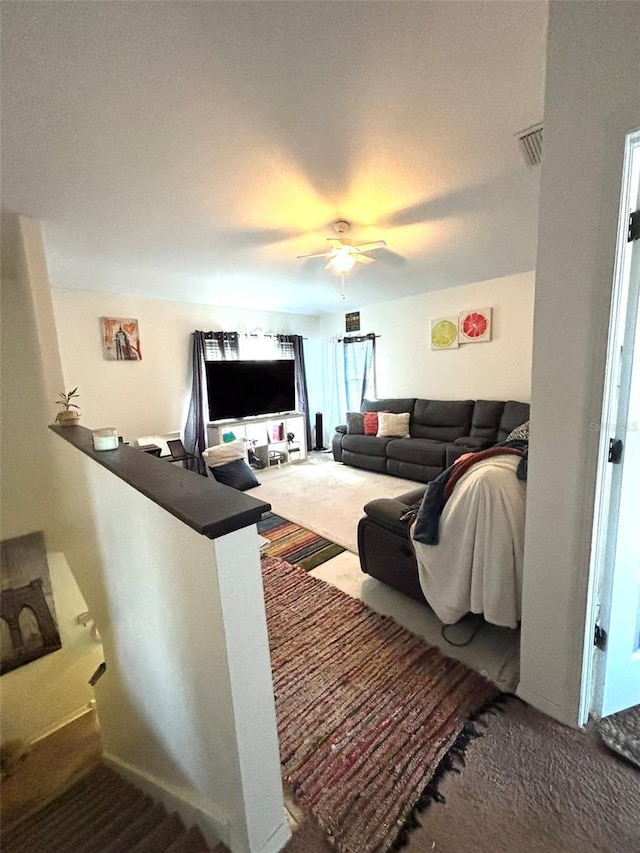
x: 474, y: 326
x: 444, y: 333
x: 121, y: 339
x: 352, y: 322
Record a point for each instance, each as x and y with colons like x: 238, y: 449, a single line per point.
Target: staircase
x: 103, y: 814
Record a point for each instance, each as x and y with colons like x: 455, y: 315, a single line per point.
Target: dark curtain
x: 296, y: 341
x: 207, y: 346
x: 195, y: 428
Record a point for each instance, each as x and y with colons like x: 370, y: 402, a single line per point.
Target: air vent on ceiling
x: 530, y: 141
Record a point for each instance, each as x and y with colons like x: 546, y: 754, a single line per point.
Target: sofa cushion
x: 370, y: 423
x: 397, y: 405
x: 390, y: 424
x: 420, y: 451
x: 369, y: 463
x: 442, y: 420
x: 486, y: 419
x: 236, y: 474
x: 369, y: 445
x: 514, y: 414
x: 355, y: 423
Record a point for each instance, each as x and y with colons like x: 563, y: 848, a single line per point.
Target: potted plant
x: 69, y: 414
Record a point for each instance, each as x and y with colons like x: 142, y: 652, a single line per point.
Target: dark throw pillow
x: 355, y: 423
x: 236, y: 474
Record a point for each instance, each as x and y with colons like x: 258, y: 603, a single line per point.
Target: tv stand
x: 265, y: 435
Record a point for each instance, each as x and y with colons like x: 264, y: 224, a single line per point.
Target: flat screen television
x: 241, y: 389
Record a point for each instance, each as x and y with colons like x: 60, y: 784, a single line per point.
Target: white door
x: 616, y: 657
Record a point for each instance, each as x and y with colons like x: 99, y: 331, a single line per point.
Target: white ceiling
x: 190, y: 150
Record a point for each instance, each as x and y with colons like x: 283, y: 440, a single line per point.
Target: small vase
x: 70, y: 418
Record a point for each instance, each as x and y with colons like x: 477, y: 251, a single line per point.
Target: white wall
x: 499, y: 369
x: 26, y: 405
x: 152, y: 396
x: 45, y: 693
x: 592, y: 100
x: 188, y: 662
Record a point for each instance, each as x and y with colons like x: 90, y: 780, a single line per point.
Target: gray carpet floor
x: 530, y: 785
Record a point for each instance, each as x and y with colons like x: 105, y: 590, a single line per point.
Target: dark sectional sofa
x: 440, y: 432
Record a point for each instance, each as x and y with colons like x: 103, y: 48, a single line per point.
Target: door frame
x: 601, y: 565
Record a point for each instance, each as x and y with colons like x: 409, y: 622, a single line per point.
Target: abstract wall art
x: 474, y: 326
x: 352, y: 321
x: 120, y: 339
x: 444, y: 333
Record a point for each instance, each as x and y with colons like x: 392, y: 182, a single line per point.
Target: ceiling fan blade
x: 318, y: 255
x: 244, y: 238
x: 366, y: 247
x: 363, y: 259
x: 335, y: 242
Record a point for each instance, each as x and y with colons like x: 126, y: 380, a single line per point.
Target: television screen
x: 240, y: 389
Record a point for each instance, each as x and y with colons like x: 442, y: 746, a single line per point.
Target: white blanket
x: 477, y: 566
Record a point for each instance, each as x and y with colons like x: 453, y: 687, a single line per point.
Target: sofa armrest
x: 388, y: 512
x: 342, y: 428
x: 412, y: 497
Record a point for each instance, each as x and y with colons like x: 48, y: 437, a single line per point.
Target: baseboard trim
x: 215, y: 827
x: 60, y: 724
x: 278, y: 840
x: 547, y: 706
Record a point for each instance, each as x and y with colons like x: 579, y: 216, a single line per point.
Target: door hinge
x: 634, y: 227
x: 615, y: 451
x: 599, y: 638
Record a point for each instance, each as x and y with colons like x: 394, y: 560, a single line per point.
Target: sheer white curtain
x: 348, y: 379
x: 359, y: 370
x: 335, y: 406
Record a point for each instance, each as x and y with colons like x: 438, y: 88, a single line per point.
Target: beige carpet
x: 530, y: 785
x: 326, y: 496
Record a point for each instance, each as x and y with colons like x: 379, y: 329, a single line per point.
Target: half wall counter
x: 169, y: 565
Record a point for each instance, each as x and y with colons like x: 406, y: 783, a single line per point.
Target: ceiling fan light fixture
x: 343, y: 261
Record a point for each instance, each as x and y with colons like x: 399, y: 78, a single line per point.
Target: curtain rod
x: 356, y: 337
x: 208, y: 335
x: 270, y: 335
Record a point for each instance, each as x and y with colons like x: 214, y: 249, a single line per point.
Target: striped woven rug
x: 295, y: 544
x: 369, y: 715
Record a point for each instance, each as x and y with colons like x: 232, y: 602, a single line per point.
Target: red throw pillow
x: 370, y: 423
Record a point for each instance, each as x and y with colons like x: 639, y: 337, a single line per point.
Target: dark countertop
x: 200, y: 502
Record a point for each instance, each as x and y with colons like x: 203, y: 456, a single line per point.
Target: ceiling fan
x: 343, y: 255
